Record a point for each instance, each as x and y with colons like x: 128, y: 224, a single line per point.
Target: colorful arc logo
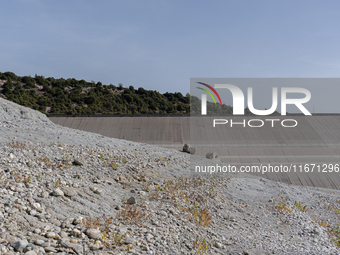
x: 208, y: 92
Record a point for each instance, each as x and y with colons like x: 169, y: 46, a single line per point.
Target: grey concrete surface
x: 316, y: 140
x: 168, y: 132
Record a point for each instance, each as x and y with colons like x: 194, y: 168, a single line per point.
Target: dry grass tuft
x: 19, y: 145
x: 322, y: 223
x: 189, y: 195
x: 284, y: 222
x: 201, y: 246
x: 300, y: 207
x: 132, y: 213
x: 87, y: 223
x: 202, y: 216
x: 282, y: 207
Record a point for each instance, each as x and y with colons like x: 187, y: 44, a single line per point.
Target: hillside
x: 79, y: 97
x: 71, y: 96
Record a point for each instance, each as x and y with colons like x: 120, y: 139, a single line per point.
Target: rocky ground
x: 65, y: 191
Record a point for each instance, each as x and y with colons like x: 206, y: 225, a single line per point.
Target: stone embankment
x: 65, y: 191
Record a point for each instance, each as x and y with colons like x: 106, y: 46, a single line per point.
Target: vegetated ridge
x: 79, y: 97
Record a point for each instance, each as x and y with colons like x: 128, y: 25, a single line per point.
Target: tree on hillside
x: 6, y: 88
x: 71, y: 96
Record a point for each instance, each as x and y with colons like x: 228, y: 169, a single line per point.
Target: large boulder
x: 79, y: 162
x: 93, y: 233
x: 189, y: 149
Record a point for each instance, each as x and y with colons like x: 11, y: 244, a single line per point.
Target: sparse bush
x: 202, y: 216
x: 201, y: 245
x: 16, y: 145
x: 284, y: 222
x: 133, y: 213
x: 335, y: 235
x: 180, y: 193
x: 281, y: 206
x: 300, y: 207
x: 87, y: 223
x: 322, y: 223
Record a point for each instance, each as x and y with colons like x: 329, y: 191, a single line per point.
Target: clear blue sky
x: 160, y: 45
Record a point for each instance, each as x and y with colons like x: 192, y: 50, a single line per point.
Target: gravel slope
x: 55, y: 182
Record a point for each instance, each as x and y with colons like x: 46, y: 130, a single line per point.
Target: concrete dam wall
x: 316, y: 141
x: 168, y: 132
